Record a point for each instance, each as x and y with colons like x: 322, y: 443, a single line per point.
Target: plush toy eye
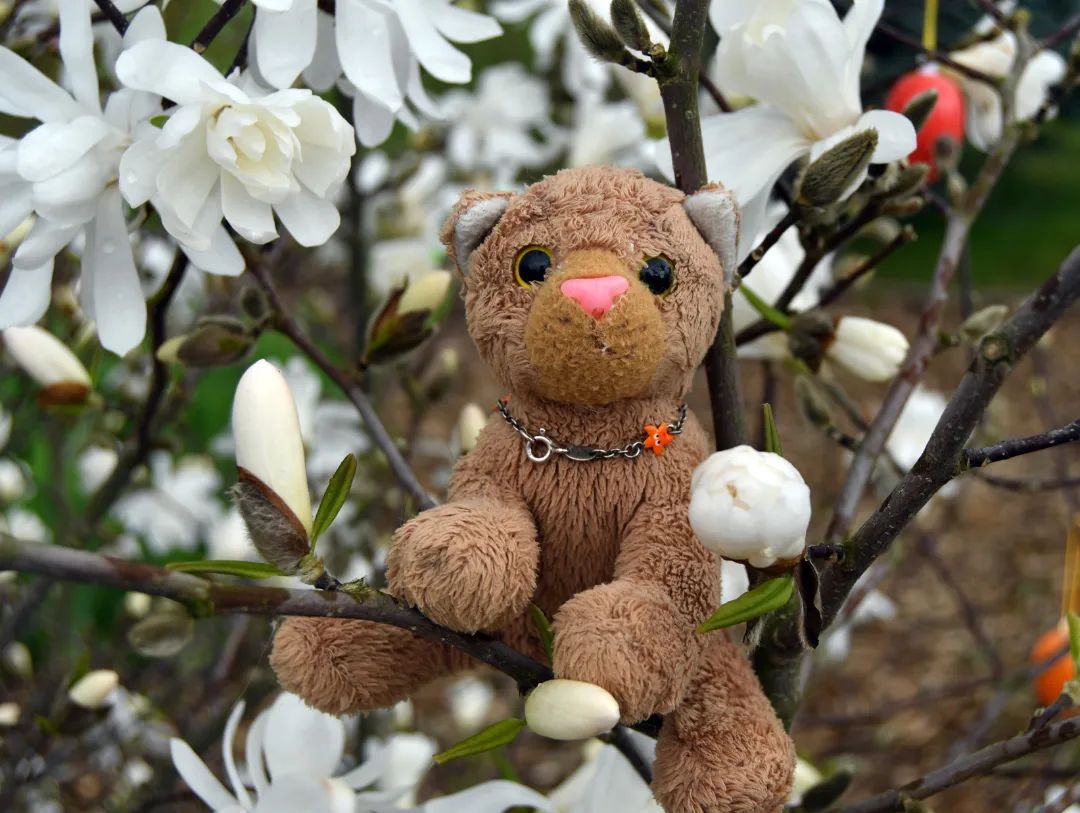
x: 658, y: 275
x: 531, y: 266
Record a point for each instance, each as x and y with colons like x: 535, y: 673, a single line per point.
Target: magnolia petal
x: 301, y: 740
x: 461, y: 25
x: 286, y: 41
x: 253, y: 219
x: 494, y: 797
x: 26, y: 295
x: 368, y: 771
x: 138, y: 171
x: 276, y: 5
x: 373, y: 122
x: 77, y: 52
x: 198, y: 777
x: 16, y: 204
x: 48, y: 150
x: 71, y: 196
x: 186, y: 178
x: 148, y: 24
x: 298, y: 792
x: 436, y: 55
x: 896, y: 135
x: 43, y: 243
x: 418, y: 94
x: 364, y: 48
x: 1045, y: 69
x: 310, y: 219
x: 227, y: 737
x: 325, y: 67
x: 253, y: 753
x: 167, y: 69
x: 118, y: 304
x: 28, y: 93
x: 221, y: 257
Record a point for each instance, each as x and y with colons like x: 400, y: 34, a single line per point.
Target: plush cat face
x: 593, y: 285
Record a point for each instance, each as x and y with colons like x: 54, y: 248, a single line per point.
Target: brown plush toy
x: 593, y: 296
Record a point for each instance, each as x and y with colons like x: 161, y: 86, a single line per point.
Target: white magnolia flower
x: 65, y: 171
x: 12, y: 481
x: 229, y: 149
x: 806, y: 777
x: 734, y: 580
x: 469, y: 700
x: 94, y: 690
x: 913, y: 428
x: 95, y: 465
x: 178, y: 506
x: 606, y: 782
x: 570, y: 710
x: 494, y: 129
x: 801, y: 62
x: 750, y: 506
x: 392, y: 262
x: 25, y: 525
x: 45, y: 358
x: 268, y: 440
x: 9, y: 714
x: 379, y: 45
x: 292, y: 753
x: 995, y: 58
x: 867, y: 348
x: 551, y: 32
x: 606, y: 133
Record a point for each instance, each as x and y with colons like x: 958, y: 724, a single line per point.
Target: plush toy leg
x: 342, y: 666
x: 723, y: 750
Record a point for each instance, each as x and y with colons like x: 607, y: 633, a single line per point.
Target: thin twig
x: 228, y: 10
x: 1067, y: 29
x: 1007, y: 449
x: 938, y: 56
x: 978, y: 764
x: 287, y: 325
x: 113, y: 15
x: 841, y: 286
x: 1026, y: 486
x: 770, y: 240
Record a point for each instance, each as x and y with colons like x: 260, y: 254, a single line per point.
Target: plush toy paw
x: 630, y: 639
x: 467, y: 565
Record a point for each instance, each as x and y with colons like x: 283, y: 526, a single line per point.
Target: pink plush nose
x: 596, y: 295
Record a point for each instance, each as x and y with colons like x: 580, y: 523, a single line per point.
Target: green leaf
x: 337, y: 491
x: 1073, y: 621
x: 772, y: 434
x: 494, y: 736
x: 543, y: 627
x: 766, y: 311
x: 766, y: 597
x: 227, y: 567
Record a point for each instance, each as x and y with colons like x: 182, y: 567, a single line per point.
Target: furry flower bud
x: 750, y: 506
x: 93, y: 690
x: 426, y: 293
x: 63, y: 378
x: 570, y: 710
x: 871, y: 350
x: 269, y: 446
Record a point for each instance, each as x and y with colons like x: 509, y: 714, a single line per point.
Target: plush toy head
x: 594, y: 285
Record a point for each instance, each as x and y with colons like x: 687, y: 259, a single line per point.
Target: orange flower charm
x: 657, y: 437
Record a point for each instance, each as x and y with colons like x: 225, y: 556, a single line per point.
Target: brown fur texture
x: 603, y: 547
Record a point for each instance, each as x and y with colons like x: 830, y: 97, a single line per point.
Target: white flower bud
x: 94, y: 689
x: 750, y: 506
x: 871, y: 350
x: 18, y: 660
x: 471, y: 421
x: 45, y: 358
x: 9, y: 714
x: 570, y: 710
x: 426, y: 293
x: 269, y: 445
x: 137, y: 605
x: 12, y: 481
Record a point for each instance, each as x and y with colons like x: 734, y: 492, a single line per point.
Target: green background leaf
x: 337, y: 491
x: 494, y: 736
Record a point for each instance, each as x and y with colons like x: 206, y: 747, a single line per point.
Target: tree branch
x: 1007, y: 449
x: 289, y: 327
x: 941, y: 57
x: 113, y: 15
x: 221, y: 18
x: 978, y: 764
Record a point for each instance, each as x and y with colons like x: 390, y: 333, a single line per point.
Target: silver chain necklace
x: 539, y: 447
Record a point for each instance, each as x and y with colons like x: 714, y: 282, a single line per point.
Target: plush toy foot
x: 630, y: 639
x: 342, y: 666
x: 467, y: 565
x: 723, y: 750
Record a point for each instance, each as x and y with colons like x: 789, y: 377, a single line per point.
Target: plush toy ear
x: 472, y: 219
x: 716, y: 214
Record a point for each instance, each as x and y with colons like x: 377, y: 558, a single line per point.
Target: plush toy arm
x: 469, y: 564
x: 635, y: 635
